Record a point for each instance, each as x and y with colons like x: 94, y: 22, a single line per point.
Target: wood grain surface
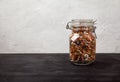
x: 57, y: 68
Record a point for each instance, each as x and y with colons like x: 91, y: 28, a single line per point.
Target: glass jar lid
x: 80, y: 22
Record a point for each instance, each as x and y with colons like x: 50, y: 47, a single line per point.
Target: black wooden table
x: 57, y: 68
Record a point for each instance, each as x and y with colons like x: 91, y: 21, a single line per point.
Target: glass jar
x: 82, y: 41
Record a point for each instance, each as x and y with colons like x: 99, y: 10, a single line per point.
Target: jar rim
x: 84, y: 20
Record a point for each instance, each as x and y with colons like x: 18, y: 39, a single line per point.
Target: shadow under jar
x: 82, y: 41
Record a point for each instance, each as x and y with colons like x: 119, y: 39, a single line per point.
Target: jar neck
x: 82, y: 29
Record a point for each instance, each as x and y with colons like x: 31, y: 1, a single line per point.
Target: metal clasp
x: 67, y: 26
x: 94, y: 31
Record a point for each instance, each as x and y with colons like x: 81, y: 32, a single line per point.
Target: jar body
x: 82, y: 45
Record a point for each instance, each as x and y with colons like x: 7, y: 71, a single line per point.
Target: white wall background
x: 38, y: 26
